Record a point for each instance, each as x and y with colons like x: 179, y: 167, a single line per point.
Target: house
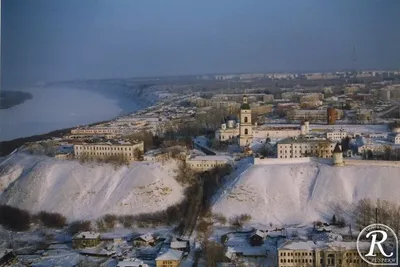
x: 85, y: 239
x: 171, y: 258
x: 180, y: 245
x: 132, y: 262
x: 144, y: 240
x: 7, y: 257
x: 257, y: 239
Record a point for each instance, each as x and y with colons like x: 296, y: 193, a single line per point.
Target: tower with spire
x: 246, y: 129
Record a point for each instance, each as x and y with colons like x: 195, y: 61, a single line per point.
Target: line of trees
x: 16, y: 219
x: 381, y: 211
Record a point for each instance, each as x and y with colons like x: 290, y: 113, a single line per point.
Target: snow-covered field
x: 297, y: 194
x: 86, y: 191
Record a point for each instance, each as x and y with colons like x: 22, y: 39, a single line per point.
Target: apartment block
x: 320, y: 254
x: 303, y: 147
x: 102, y: 149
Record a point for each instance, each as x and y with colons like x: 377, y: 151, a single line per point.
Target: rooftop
x: 4, y: 252
x: 131, y: 263
x: 101, y: 141
x: 170, y: 255
x: 178, y: 244
x: 146, y: 237
x: 311, y: 245
x: 245, y: 106
x: 296, y: 140
x: 212, y: 158
x: 88, y: 235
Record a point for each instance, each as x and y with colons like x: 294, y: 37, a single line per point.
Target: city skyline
x: 60, y: 40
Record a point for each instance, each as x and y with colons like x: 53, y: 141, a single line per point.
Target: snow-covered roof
x: 260, y: 233
x: 311, y: 245
x: 212, y: 158
x: 247, y: 251
x: 131, y: 263
x: 178, y: 244
x: 171, y: 255
x: 87, y: 235
x: 148, y: 237
x: 4, y: 252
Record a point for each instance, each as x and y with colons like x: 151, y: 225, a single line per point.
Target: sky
x: 50, y: 40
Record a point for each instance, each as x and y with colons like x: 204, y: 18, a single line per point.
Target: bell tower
x: 246, y: 129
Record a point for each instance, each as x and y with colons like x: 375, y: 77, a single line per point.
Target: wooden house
x: 257, y: 239
x: 144, y: 240
x: 85, y: 239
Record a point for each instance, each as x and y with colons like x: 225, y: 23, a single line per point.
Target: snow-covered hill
x: 304, y: 192
x: 86, y: 191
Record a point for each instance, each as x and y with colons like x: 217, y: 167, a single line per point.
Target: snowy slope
x: 301, y: 193
x: 86, y: 191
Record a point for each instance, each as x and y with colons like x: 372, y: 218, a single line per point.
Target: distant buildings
x: 102, y: 149
x: 329, y: 115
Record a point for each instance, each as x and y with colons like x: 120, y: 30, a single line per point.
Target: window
x: 245, y: 119
x: 246, y: 131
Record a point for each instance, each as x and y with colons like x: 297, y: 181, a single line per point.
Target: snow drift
x: 86, y: 191
x: 302, y: 193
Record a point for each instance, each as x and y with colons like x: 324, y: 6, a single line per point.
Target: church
x: 238, y: 131
x: 241, y: 131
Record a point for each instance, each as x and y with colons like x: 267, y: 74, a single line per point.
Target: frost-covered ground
x: 86, y: 191
x: 298, y: 194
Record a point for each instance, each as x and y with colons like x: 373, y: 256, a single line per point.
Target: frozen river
x: 57, y: 108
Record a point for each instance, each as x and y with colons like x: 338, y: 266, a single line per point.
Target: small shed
x: 257, y: 238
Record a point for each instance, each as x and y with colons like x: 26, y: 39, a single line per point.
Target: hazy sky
x: 46, y: 40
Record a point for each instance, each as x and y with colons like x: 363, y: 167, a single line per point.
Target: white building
x: 102, y: 149
x: 203, y: 163
x: 229, y: 130
x: 303, y: 147
x: 336, y: 135
x: 243, y: 132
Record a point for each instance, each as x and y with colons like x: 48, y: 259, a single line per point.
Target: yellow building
x: 303, y: 147
x: 85, y: 239
x: 320, y: 254
x: 171, y: 258
x: 102, y: 149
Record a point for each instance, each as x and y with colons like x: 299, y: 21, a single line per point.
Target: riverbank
x: 6, y: 147
x: 54, y: 108
x: 10, y: 99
